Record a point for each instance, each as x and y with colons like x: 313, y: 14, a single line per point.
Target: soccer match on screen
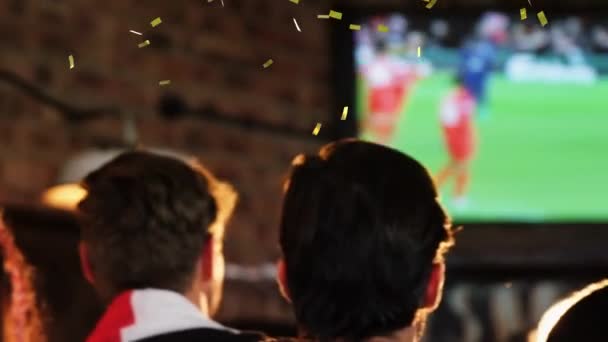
x: 496, y: 106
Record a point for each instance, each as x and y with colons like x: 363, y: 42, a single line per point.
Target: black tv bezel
x: 544, y: 248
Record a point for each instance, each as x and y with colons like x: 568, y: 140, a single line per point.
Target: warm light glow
x: 65, y: 196
x: 554, y: 313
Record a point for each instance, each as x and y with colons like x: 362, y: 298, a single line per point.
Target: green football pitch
x: 542, y: 152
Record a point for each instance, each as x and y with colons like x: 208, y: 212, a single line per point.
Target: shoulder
x: 206, y: 334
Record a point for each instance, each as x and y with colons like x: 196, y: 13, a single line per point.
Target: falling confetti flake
x: 143, y: 44
x: 344, y: 113
x: 431, y: 4
x: 382, y: 28
x: 523, y: 14
x: 419, y: 51
x: 295, y: 1
x: 317, y: 129
x: 135, y: 32
x: 156, y: 22
x: 268, y: 63
x: 297, y: 26
x: 71, y: 60
x: 335, y: 14
x: 164, y: 82
x: 323, y: 16
x: 542, y: 18
x: 355, y: 27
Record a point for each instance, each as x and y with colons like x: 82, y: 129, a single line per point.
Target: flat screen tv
x: 509, y: 115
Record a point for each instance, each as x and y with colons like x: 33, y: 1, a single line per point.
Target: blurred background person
x: 599, y: 37
x: 529, y: 37
x: 566, y: 41
x: 579, y: 317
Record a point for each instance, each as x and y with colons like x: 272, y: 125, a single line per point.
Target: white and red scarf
x: 138, y: 314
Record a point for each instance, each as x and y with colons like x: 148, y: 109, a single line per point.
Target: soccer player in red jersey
x: 456, y: 118
x: 389, y: 80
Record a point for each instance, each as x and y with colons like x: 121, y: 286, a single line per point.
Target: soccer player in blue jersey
x: 478, y: 56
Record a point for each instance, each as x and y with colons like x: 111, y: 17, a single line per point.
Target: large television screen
x: 510, y: 116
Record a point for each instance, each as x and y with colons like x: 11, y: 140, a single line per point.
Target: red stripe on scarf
x: 120, y: 314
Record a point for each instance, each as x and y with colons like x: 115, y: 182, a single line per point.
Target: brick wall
x: 213, y: 56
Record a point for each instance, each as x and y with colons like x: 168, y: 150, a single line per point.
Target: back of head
x: 581, y: 317
x: 145, y: 220
x: 361, y: 228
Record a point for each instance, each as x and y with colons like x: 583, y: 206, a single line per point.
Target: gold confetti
x: 523, y: 14
x: 297, y: 26
x: 344, y: 113
x: 268, y: 63
x: 164, y: 82
x: 335, y: 14
x: 317, y: 129
x: 295, y: 1
x: 323, y: 16
x: 419, y: 51
x: 355, y: 27
x: 156, y: 22
x: 542, y: 18
x: 431, y: 4
x: 143, y: 44
x: 382, y: 28
x: 71, y: 60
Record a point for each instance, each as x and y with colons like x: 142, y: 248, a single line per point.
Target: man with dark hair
x: 363, y: 238
x: 152, y: 231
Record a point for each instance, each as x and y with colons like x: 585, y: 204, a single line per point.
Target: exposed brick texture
x: 213, y: 57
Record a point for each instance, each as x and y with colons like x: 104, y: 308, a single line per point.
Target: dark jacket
x: 206, y: 334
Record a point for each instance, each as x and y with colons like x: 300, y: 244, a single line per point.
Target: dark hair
x: 146, y: 218
x: 584, y: 320
x: 361, y: 227
x: 380, y: 46
x: 458, y: 79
